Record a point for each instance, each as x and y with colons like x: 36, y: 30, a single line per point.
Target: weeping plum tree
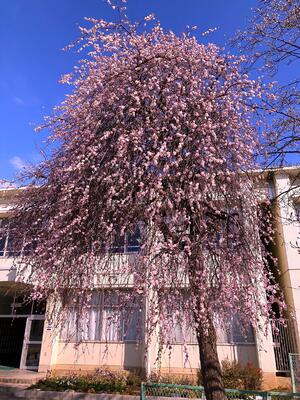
x: 157, y: 133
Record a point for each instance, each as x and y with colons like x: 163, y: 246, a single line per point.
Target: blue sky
x: 32, y: 35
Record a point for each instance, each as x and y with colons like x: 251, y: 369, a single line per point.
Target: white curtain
x: 111, y: 325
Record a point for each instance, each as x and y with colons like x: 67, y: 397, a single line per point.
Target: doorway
x: 11, y: 341
x: 21, y: 330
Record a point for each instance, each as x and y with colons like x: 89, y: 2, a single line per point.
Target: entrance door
x: 32, y: 342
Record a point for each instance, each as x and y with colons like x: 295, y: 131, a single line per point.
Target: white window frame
x: 27, y: 341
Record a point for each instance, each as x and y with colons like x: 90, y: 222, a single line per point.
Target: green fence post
x: 142, y: 394
x: 292, y: 373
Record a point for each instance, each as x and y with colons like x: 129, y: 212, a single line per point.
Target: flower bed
x: 102, y: 381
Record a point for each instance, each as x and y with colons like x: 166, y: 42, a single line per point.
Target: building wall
x: 186, y: 358
x: 7, y: 272
x: 59, y: 356
x: 130, y: 356
x: 93, y: 355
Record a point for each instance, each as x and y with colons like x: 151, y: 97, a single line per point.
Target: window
x: 106, y: 320
x: 182, y: 332
x: 7, y: 242
x: 239, y: 335
x: 297, y: 211
x: 235, y: 334
x: 128, y: 243
x: 3, y: 237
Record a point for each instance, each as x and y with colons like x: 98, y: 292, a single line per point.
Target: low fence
x: 153, y: 391
x: 294, y: 360
x: 284, y: 342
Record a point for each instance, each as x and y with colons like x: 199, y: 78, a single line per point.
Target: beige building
x: 28, y: 342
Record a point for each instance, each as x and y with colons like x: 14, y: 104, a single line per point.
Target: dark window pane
x: 36, y: 331
x: 29, y: 248
x: 2, y: 245
x: 33, y: 355
x: 3, y: 235
x: 39, y: 308
x: 241, y: 334
x: 21, y: 306
x: 134, y: 239
x: 11, y: 247
x: 118, y: 245
x: 131, y: 324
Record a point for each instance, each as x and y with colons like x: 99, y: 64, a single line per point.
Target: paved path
x: 20, y: 376
x: 10, y: 396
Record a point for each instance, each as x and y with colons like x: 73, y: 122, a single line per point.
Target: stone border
x: 35, y: 394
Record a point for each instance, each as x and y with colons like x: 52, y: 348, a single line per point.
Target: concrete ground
x: 21, y: 376
x: 13, y: 383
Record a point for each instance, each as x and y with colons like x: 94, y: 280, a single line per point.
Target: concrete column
x: 288, y: 232
x: 49, y: 346
x: 150, y: 353
x: 265, y: 351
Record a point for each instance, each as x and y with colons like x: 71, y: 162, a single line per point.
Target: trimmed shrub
x: 252, y: 378
x: 101, y: 381
x: 237, y: 376
x: 178, y: 379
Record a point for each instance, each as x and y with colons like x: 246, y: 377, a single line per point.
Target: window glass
x: 36, y: 331
x: 3, y: 236
x: 240, y: 335
x: 11, y: 247
x: 94, y: 324
x: 21, y: 306
x: 33, y: 355
x: 29, y: 247
x: 128, y: 243
x: 106, y: 320
x: 182, y: 332
x: 131, y: 323
x: 7, y: 241
x: 118, y: 245
x: 297, y: 211
x: 222, y: 335
x: 133, y: 241
x: 69, y: 330
x: 178, y: 335
x: 96, y: 298
x: 2, y: 245
x: 111, y: 325
x: 39, y: 307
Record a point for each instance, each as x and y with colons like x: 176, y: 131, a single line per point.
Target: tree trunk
x: 210, y: 365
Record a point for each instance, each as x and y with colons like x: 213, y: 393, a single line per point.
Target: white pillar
x: 265, y: 351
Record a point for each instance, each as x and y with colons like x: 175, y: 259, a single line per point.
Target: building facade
x: 27, y: 341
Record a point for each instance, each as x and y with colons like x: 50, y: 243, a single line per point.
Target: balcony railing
x: 284, y: 342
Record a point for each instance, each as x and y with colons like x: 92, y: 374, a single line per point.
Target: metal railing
x: 284, y: 342
x: 151, y: 391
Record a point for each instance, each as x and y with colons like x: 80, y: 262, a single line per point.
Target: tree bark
x: 210, y: 365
